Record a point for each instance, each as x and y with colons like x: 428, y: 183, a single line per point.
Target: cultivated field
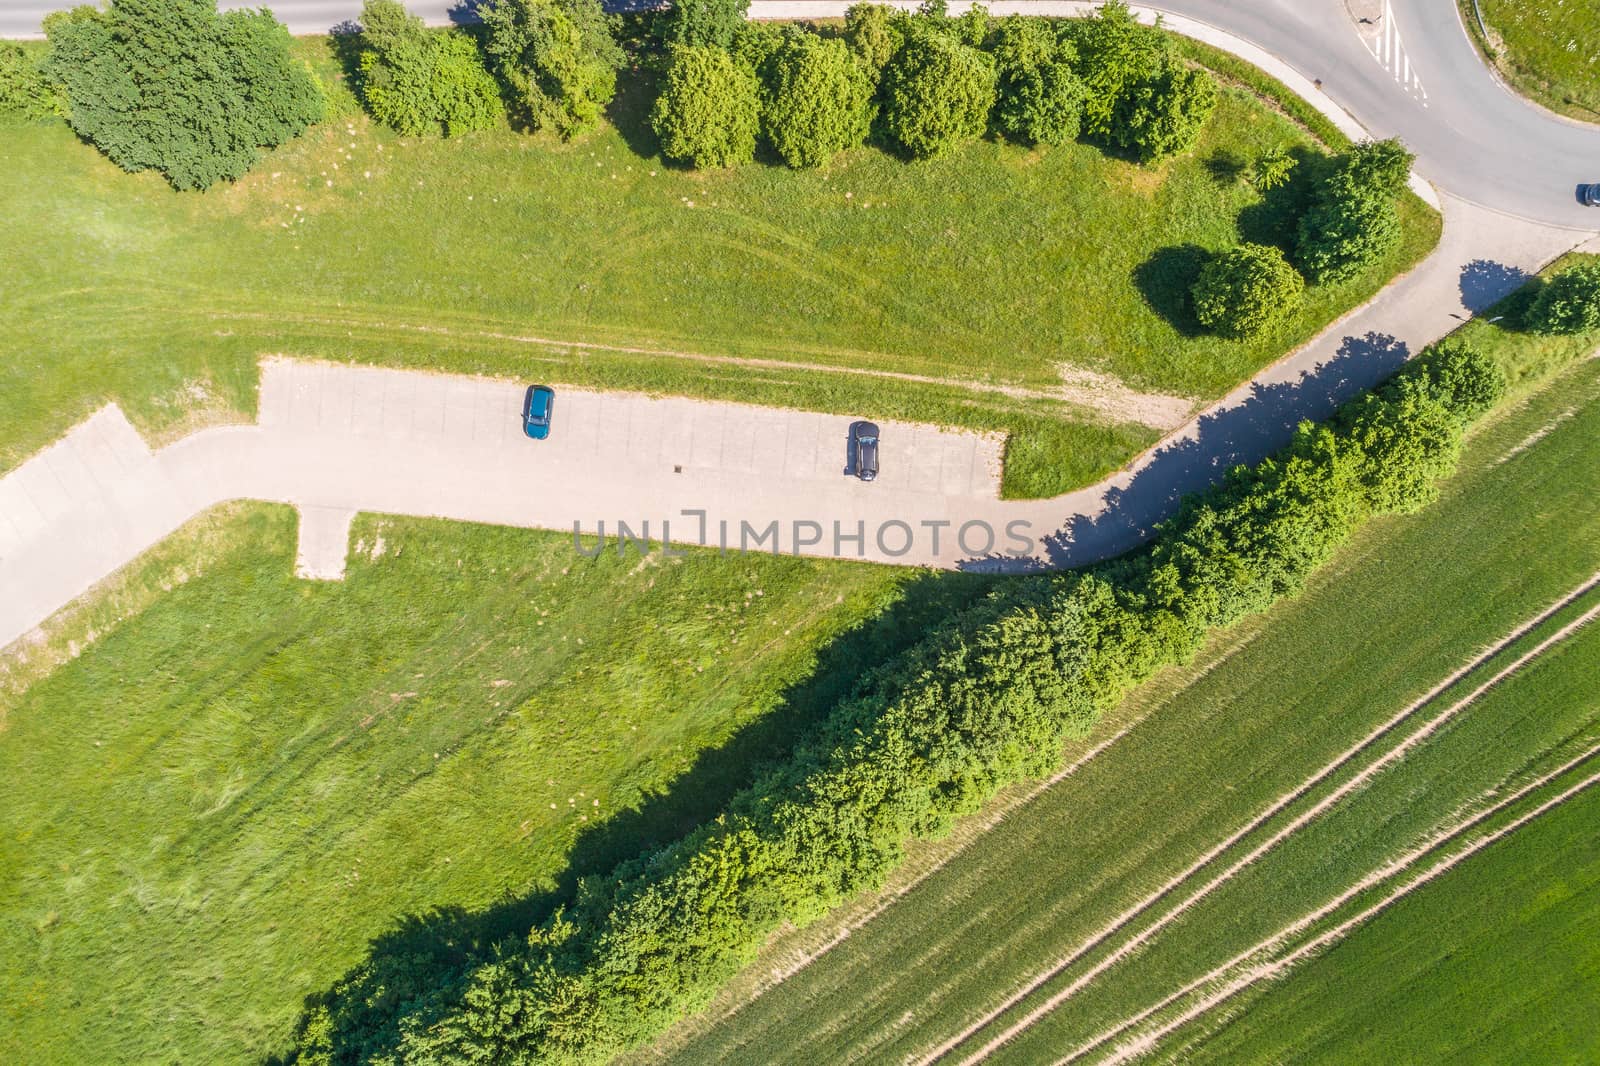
x: 211, y: 811
x: 1228, y: 804
x: 979, y: 290
x: 1548, y: 49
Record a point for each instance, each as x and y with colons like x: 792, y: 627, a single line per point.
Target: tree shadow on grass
x: 1274, y: 219
x: 1164, y: 280
x: 437, y: 948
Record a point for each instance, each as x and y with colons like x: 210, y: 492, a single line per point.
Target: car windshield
x: 869, y: 440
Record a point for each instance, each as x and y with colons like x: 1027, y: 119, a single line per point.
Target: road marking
x: 1389, y: 50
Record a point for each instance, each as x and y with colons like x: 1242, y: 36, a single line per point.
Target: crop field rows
x: 1423, y: 697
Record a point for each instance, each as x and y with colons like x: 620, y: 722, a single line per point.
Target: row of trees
x: 925, y: 81
x: 550, y: 64
x: 1352, y: 222
x: 985, y: 702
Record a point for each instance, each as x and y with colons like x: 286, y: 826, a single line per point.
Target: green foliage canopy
x: 1040, y: 95
x: 874, y: 33
x: 558, y: 58
x: 701, y: 23
x: 173, y: 86
x: 937, y: 93
x: 817, y: 100
x: 24, y: 90
x: 1568, y: 302
x: 419, y: 82
x: 708, y: 110
x: 1246, y: 290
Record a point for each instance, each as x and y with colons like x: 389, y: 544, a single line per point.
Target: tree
x: 708, y: 109
x: 937, y: 93
x: 24, y: 90
x: 701, y: 23
x: 1465, y: 380
x: 1379, y: 168
x: 1040, y: 98
x: 1246, y: 290
x: 171, y: 85
x: 1568, y: 303
x: 874, y: 33
x: 817, y: 100
x: 1115, y: 53
x: 1344, y: 231
x: 557, y: 58
x: 419, y: 82
x: 1272, y: 169
x: 1164, y: 113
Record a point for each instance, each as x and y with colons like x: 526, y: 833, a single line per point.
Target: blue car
x: 537, y: 408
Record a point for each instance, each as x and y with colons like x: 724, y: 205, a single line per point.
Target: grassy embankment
x: 1548, y: 50
x: 960, y: 291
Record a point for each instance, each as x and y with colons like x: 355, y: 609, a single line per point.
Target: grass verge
x: 1548, y: 50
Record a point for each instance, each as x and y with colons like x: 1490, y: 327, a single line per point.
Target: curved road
x: 93, y: 503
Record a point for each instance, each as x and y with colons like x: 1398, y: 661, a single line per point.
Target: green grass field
x: 1548, y: 49
x: 1210, y: 747
x: 212, y: 811
x: 953, y: 291
x: 1497, y: 962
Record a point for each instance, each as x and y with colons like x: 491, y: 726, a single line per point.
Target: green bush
x: 985, y: 701
x: 557, y: 58
x: 937, y: 94
x: 418, y: 82
x: 1040, y: 98
x: 817, y: 100
x: 1380, y: 168
x: 708, y: 109
x: 1246, y: 290
x: 1344, y: 231
x: 874, y: 33
x: 701, y: 23
x: 1165, y: 113
x: 1115, y: 54
x: 171, y: 85
x: 1568, y: 303
x: 24, y: 90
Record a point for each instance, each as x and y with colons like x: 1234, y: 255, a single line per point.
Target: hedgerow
x: 985, y: 702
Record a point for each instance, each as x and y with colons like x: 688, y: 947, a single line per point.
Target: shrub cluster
x: 24, y: 89
x: 418, y: 82
x: 557, y: 59
x: 935, y: 82
x: 1567, y: 303
x: 173, y: 86
x: 983, y: 703
x: 1246, y: 290
x: 1352, y: 221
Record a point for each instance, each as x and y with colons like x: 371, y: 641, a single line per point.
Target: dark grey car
x: 1590, y: 194
x: 864, y: 450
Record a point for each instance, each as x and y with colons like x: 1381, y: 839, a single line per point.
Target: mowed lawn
x: 593, y: 263
x: 1549, y: 49
x: 212, y: 810
x: 1207, y: 749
